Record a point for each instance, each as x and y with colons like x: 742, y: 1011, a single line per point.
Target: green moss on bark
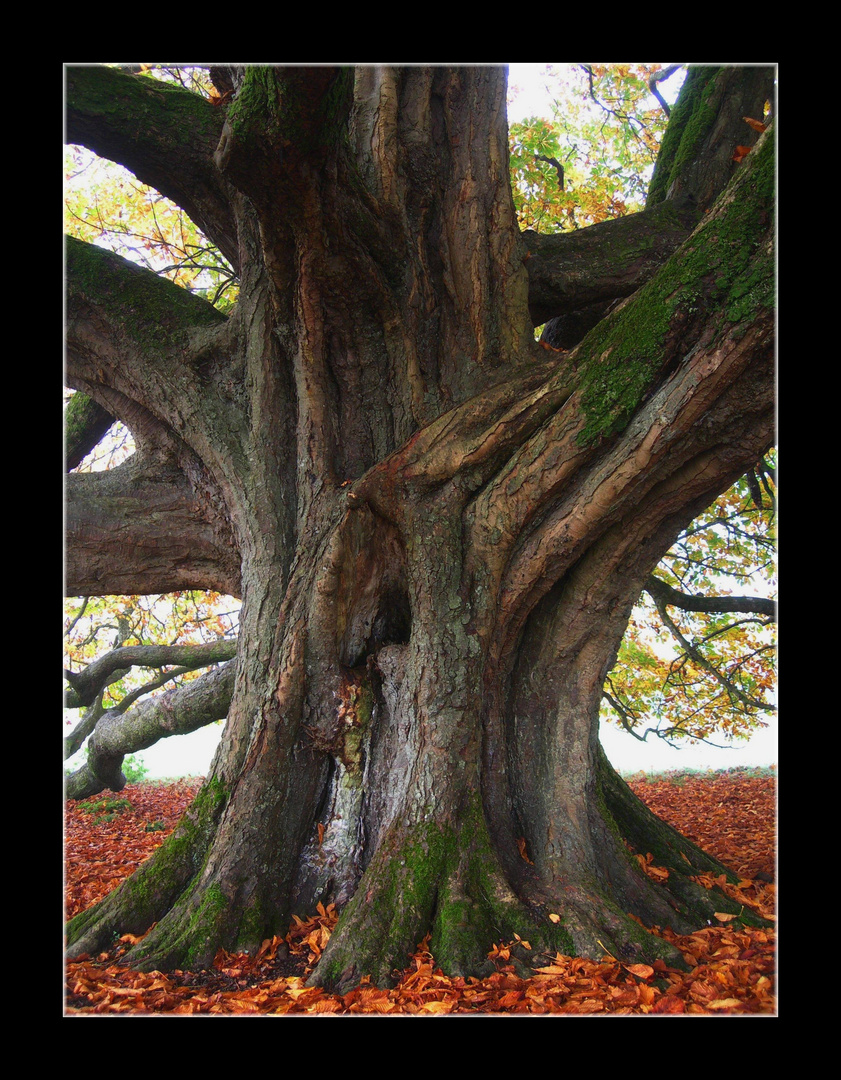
x: 277, y: 104
x: 153, y: 313
x: 144, y: 103
x: 441, y: 880
x: 256, y: 108
x: 85, y: 423
x: 475, y: 909
x: 144, y: 897
x: 646, y: 833
x: 689, y: 124
x: 724, y: 274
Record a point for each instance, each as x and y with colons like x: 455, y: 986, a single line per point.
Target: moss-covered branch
x: 148, y: 309
x: 603, y: 262
x: 721, y: 280
x: 162, y: 133
x: 132, y: 331
x: 696, y: 159
x: 85, y: 423
x: 281, y: 119
x: 573, y: 273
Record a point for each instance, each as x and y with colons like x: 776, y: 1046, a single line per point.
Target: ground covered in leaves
x: 731, y: 970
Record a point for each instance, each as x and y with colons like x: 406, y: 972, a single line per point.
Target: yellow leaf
x: 437, y: 1006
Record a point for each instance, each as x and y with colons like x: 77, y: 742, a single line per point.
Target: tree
x: 437, y: 527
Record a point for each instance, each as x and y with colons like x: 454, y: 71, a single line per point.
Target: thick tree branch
x: 88, y: 684
x: 696, y: 158
x: 133, y: 332
x: 134, y: 530
x: 690, y: 313
x: 659, y: 591
x: 304, y: 112
x: 577, y: 275
x: 177, y: 712
x: 603, y: 262
x: 164, y: 134
x: 121, y: 316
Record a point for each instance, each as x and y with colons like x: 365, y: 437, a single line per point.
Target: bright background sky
x: 190, y: 755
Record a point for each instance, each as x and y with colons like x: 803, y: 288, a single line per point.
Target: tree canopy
x: 438, y: 527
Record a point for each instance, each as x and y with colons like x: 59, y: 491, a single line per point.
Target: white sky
x: 190, y: 755
x: 527, y: 92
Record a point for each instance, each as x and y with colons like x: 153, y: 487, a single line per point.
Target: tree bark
x: 86, y: 423
x: 441, y: 530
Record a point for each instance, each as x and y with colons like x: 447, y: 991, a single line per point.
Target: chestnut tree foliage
x: 438, y: 527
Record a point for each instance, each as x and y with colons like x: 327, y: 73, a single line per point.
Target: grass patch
x: 104, y: 810
x: 678, y: 777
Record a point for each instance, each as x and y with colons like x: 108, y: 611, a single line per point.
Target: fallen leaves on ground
x: 100, y: 852
x: 731, y: 970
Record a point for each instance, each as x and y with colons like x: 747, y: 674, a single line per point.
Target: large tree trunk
x: 441, y: 528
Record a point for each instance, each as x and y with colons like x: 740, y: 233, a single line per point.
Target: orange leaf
x: 521, y: 847
x: 642, y: 971
x: 757, y: 125
x: 740, y: 155
x: 669, y: 1004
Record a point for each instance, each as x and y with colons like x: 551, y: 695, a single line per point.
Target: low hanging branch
x: 87, y: 685
x: 119, y: 733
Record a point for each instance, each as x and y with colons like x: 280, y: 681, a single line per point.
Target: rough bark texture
x: 85, y: 425
x: 440, y: 530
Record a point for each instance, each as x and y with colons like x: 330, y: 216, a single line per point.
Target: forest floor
x: 731, y: 970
